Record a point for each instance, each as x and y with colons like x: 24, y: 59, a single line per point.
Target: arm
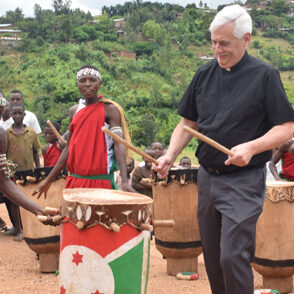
x: 178, y: 142
x: 273, y: 138
x: 36, y: 158
x: 275, y: 159
x: 45, y: 185
x: 113, y: 116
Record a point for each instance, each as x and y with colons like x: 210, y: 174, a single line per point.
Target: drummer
x: 91, y: 155
x: 239, y: 101
x: 285, y: 153
x: 7, y: 187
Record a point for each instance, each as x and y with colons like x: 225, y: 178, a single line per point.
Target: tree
x: 14, y: 16
x: 61, y: 7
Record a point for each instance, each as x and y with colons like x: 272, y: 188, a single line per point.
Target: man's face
x: 15, y: 98
x: 88, y: 86
x: 158, y: 148
x: 227, y: 48
x: 17, y: 114
x: 49, y: 136
x: 6, y: 112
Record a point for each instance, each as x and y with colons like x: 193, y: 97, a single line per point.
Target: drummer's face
x: 49, y: 136
x: 88, y: 86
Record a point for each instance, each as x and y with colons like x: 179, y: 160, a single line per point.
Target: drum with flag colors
x: 104, y: 248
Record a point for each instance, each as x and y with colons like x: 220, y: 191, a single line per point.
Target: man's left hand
x: 242, y: 155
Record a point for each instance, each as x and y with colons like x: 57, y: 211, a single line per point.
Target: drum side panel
x: 177, y: 202
x: 33, y: 229
x: 275, y: 234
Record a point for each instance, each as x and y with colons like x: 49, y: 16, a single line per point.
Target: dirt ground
x: 19, y: 272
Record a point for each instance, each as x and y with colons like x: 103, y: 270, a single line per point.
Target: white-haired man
x: 240, y: 102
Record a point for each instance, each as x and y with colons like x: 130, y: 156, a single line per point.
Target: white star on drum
x: 84, y: 271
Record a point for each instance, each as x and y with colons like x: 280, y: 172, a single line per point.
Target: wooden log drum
x: 176, y: 198
x: 103, y: 247
x: 274, y: 255
x: 44, y: 240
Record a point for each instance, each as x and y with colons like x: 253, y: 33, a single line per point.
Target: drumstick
x: 132, y: 147
x: 55, y: 132
x: 208, y: 141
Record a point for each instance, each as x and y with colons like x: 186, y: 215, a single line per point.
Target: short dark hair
x: 17, y: 105
x: 55, y: 124
x: 185, y: 157
x: 88, y: 66
x: 16, y: 92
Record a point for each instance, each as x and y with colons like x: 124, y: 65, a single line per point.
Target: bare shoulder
x: 112, y: 114
x: 72, y: 111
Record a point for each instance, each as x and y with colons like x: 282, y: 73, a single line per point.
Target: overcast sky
x: 94, y: 6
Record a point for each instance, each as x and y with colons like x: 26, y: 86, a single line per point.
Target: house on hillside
x: 9, y: 37
x: 119, y: 25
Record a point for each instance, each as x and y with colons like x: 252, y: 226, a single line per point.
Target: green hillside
x: 167, y: 46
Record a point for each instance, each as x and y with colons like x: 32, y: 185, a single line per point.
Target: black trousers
x: 228, y: 209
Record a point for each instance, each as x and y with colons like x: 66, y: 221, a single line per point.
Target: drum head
x: 104, y: 196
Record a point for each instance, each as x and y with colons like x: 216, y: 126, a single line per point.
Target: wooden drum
x: 176, y: 198
x: 274, y: 255
x: 44, y: 240
x: 104, y: 247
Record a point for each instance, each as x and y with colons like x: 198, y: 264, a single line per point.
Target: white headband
x: 88, y: 71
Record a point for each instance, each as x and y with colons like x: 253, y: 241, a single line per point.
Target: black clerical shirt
x: 234, y: 107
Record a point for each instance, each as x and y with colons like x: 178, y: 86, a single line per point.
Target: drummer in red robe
x: 90, y: 155
x: 51, y: 151
x: 285, y: 153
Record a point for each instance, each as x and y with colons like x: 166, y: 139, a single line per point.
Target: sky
x: 94, y: 6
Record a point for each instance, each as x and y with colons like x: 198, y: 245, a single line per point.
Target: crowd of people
x: 236, y: 99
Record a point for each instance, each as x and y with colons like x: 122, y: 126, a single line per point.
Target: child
x: 185, y: 162
x: 51, y: 151
x: 23, y: 145
x: 130, y: 168
x: 143, y: 172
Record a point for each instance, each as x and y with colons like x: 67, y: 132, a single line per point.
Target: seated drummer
x: 285, y: 153
x: 141, y: 176
x: 51, y: 151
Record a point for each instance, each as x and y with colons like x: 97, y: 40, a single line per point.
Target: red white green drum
x: 103, y: 248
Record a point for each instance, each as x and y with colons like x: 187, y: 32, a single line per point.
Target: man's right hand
x: 42, y: 188
x: 164, y: 165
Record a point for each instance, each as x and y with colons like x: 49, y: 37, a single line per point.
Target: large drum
x: 274, y: 255
x: 176, y: 198
x: 104, y: 247
x: 44, y: 240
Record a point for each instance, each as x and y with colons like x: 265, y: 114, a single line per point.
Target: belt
x: 218, y: 172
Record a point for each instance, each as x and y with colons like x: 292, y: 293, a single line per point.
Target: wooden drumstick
x: 208, y: 141
x: 132, y: 147
x: 55, y: 132
x: 169, y: 223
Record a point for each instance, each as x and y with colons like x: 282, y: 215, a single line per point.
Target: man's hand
x: 164, y: 165
x: 242, y: 155
x: 42, y: 188
x: 127, y: 188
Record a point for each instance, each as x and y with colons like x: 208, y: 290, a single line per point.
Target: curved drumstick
x: 55, y: 132
x: 132, y: 147
x: 208, y: 141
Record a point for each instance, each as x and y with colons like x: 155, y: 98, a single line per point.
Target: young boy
x: 185, y: 162
x: 51, y: 151
x: 90, y: 155
x: 141, y: 173
x: 23, y: 145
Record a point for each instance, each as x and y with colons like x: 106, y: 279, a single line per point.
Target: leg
x: 237, y: 252
x: 210, y: 230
